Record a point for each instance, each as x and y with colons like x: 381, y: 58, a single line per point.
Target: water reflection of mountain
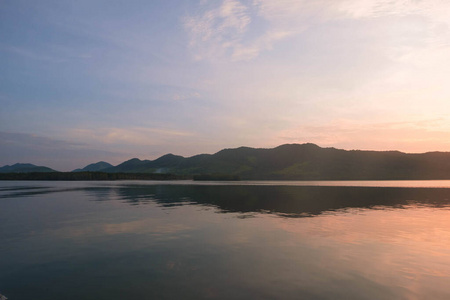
x: 289, y: 201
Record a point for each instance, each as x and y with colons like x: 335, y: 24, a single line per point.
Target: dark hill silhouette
x: 101, y: 165
x: 24, y: 168
x: 300, y: 162
x: 133, y: 165
x: 292, y: 162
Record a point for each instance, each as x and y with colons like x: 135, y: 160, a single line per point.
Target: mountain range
x: 286, y: 162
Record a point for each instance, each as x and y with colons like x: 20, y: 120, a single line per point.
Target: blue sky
x: 83, y: 81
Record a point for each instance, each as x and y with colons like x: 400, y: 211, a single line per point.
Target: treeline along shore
x: 80, y: 176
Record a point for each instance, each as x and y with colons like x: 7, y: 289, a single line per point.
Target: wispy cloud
x: 264, y: 42
x: 223, y: 32
x: 323, y: 10
x: 218, y: 31
x: 378, y: 8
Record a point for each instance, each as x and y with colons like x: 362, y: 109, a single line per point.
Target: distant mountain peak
x: 95, y: 167
x: 169, y: 156
x: 294, y: 145
x: 133, y: 160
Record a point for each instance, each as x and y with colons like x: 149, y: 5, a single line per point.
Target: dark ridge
x: 295, y: 162
x: 24, y: 168
x: 82, y: 176
x: 101, y: 165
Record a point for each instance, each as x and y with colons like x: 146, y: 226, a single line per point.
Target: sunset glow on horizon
x: 84, y: 81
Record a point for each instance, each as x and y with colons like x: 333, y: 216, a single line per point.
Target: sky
x: 89, y: 80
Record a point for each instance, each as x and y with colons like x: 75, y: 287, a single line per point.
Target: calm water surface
x: 247, y: 240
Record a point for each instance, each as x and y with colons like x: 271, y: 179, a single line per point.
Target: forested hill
x: 96, y: 167
x: 24, y: 168
x: 299, y: 161
x: 293, y: 162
